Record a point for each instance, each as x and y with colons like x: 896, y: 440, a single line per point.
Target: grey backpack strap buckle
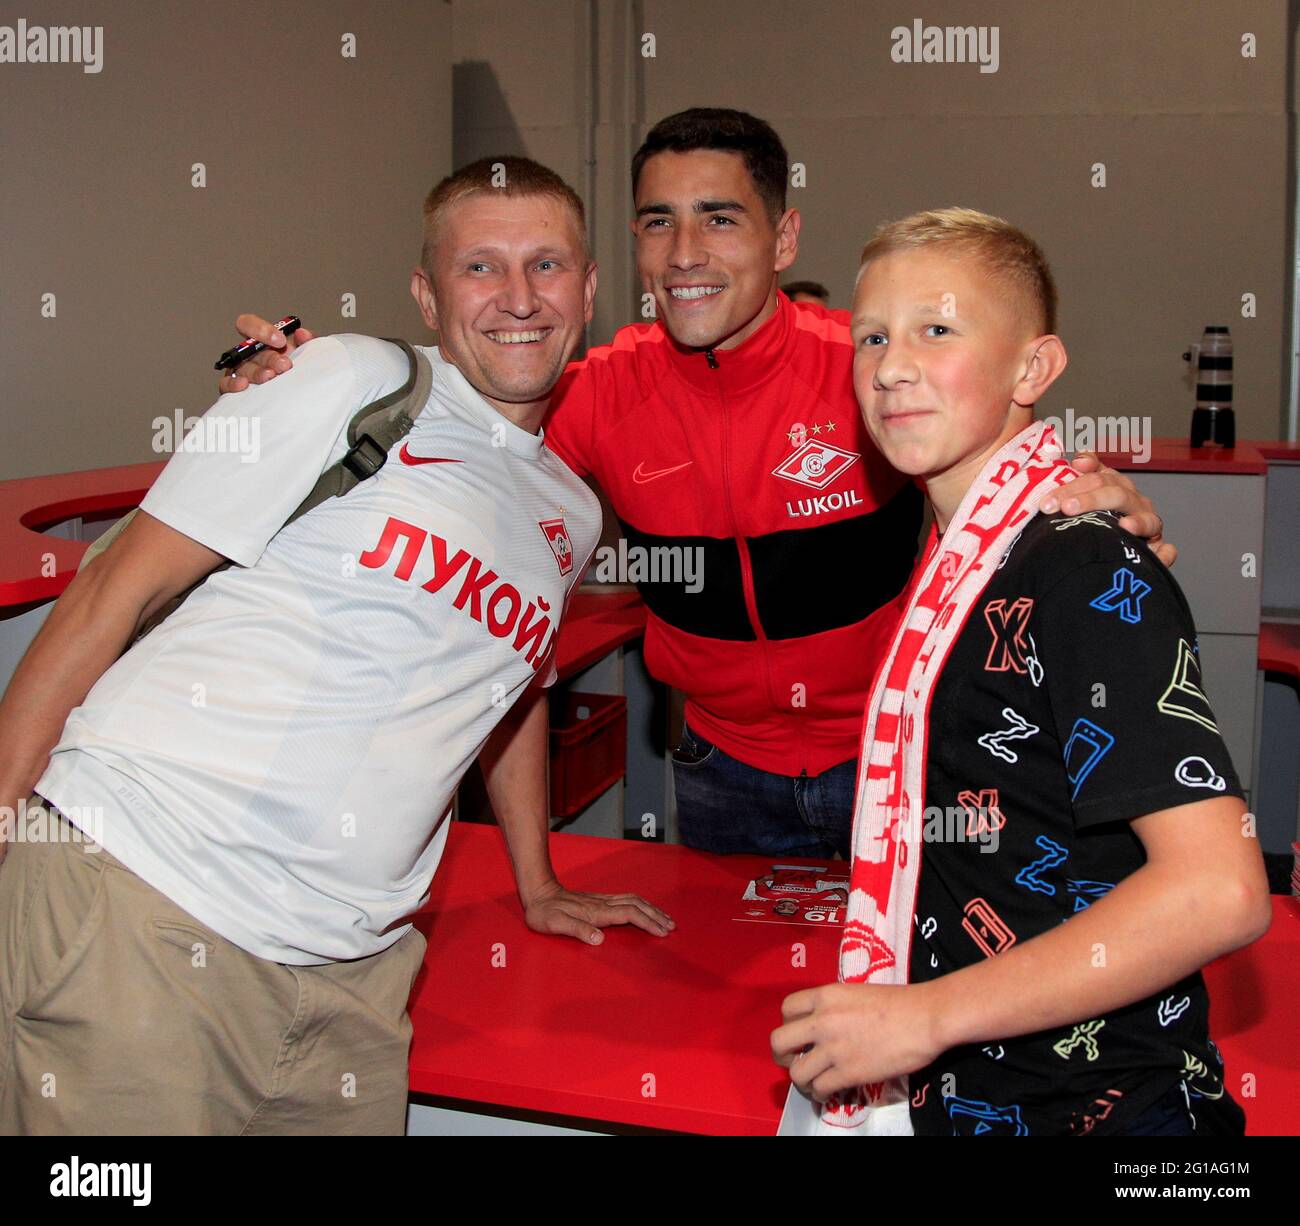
x: 365, y: 458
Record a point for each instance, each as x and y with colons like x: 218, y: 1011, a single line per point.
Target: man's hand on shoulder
x: 1099, y: 488
x: 272, y: 361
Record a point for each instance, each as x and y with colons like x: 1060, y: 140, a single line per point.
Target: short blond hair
x: 1007, y: 253
x: 511, y: 176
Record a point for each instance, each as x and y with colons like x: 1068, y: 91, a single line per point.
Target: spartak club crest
x: 815, y: 465
x: 557, y: 536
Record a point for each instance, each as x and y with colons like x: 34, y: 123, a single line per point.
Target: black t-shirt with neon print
x: 1070, y: 705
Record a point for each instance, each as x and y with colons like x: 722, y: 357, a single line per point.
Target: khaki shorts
x: 121, y: 1014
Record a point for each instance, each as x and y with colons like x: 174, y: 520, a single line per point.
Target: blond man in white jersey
x: 268, y: 773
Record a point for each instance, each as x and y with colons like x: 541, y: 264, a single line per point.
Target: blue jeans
x: 727, y: 807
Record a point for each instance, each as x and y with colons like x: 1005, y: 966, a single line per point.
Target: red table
x: 672, y: 1033
x: 1279, y: 647
x: 1255, y: 1020
x: 578, y: 1030
x: 1177, y: 455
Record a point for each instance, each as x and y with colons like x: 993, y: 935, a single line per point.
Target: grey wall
x: 316, y: 169
x: 1196, y: 141
x: 319, y: 163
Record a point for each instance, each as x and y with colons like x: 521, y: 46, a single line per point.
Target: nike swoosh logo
x: 407, y: 458
x: 640, y: 476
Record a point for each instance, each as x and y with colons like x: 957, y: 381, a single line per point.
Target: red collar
x: 750, y: 363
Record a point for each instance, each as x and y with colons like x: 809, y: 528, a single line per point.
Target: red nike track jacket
x: 757, y: 458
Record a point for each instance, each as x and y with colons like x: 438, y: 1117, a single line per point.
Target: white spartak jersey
x: 279, y: 756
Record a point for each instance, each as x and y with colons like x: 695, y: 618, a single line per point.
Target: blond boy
x: 1046, y: 980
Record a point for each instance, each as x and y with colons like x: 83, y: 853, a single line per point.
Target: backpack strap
x: 373, y: 432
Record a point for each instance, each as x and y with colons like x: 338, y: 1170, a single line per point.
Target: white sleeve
x: 244, y: 467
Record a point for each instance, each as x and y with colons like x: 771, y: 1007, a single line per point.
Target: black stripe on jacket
x: 807, y: 579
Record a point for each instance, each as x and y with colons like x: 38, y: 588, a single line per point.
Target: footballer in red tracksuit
x: 757, y: 458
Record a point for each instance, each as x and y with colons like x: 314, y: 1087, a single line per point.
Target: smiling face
x: 707, y: 248
x: 946, y: 367
x: 510, y: 295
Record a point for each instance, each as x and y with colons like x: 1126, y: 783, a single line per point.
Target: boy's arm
x: 91, y: 623
x: 1201, y: 894
x: 514, y: 768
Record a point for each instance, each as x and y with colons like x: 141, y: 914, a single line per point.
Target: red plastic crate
x: 588, y: 749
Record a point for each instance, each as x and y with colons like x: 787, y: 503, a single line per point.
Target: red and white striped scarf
x: 888, y: 818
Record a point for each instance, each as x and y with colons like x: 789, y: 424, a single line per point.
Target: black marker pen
x: 249, y: 349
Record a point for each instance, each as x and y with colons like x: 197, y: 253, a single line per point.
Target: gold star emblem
x: 816, y: 428
x: 830, y: 427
